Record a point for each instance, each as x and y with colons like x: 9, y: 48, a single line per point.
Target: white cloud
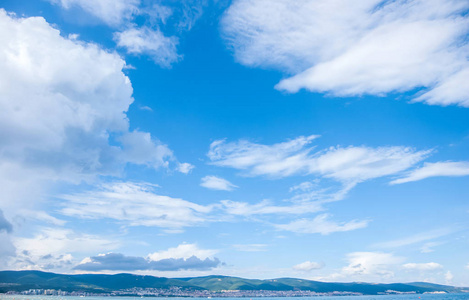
x: 449, y: 277
x: 53, y: 248
x: 63, y: 115
x: 183, y: 251
x: 185, y: 168
x: 267, y: 207
x: 431, y: 266
x: 428, y: 247
x: 151, y: 42
x: 345, y: 48
x: 308, y: 266
x: 322, y: 225
x: 303, y: 203
x: 112, y: 12
x: 41, y: 216
x: 296, y: 157
x: 467, y: 266
x: 304, y: 186
x: 417, y: 238
x: 371, y: 263
x: 135, y: 204
x: 438, y: 169
x: 217, y: 183
x: 251, y: 247
x: 140, y: 148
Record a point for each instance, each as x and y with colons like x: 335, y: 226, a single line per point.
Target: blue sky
x: 325, y: 140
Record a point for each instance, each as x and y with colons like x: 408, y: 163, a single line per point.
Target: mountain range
x: 18, y: 281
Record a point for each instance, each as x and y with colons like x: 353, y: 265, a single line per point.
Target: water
x: 380, y: 297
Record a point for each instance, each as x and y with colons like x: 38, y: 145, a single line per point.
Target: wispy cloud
x: 308, y: 266
x: 251, y: 247
x: 297, y: 157
x: 431, y: 266
x: 111, y: 12
x: 414, y: 239
x: 151, y: 42
x: 438, y: 169
x: 135, y: 204
x: 321, y: 224
x: 217, y: 183
x: 344, y: 48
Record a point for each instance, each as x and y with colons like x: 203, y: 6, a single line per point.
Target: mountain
x: 100, y: 283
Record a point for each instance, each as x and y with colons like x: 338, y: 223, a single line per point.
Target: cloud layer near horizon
x: 118, y: 261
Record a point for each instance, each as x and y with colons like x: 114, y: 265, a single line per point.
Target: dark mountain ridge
x: 18, y: 281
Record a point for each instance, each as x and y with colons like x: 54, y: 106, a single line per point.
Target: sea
x: 379, y: 297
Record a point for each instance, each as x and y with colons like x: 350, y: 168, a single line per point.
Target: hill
x: 100, y: 283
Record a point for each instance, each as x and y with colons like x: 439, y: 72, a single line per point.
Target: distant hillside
x: 25, y: 280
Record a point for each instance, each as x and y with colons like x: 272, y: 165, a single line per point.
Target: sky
x: 325, y: 140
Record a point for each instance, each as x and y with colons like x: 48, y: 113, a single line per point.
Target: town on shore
x: 180, y: 292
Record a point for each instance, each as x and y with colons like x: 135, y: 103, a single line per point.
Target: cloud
x: 296, y: 157
x: 428, y: 247
x: 117, y: 261
x: 217, y: 183
x: 371, y: 263
x: 7, y: 249
x: 437, y: 169
x: 342, y: 48
x: 185, y: 168
x: 111, y: 12
x: 308, y: 266
x: 151, y: 42
x: 52, y: 248
x: 322, y: 225
x: 414, y: 239
x: 4, y: 224
x: 63, y: 116
x: 250, y: 247
x: 140, y: 148
x: 183, y: 251
x: 135, y: 204
x: 304, y: 186
x: 302, y: 203
x: 449, y: 277
x: 431, y: 266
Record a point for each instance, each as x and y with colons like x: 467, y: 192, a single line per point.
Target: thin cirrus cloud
x: 136, y: 205
x: 297, y: 157
x: 300, y: 203
x: 111, y: 12
x: 431, y: 266
x: 308, y: 266
x: 321, y: 224
x: 416, y: 238
x: 148, y: 39
x: 343, y: 48
x: 217, y: 183
x: 151, y: 42
x: 438, y: 169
